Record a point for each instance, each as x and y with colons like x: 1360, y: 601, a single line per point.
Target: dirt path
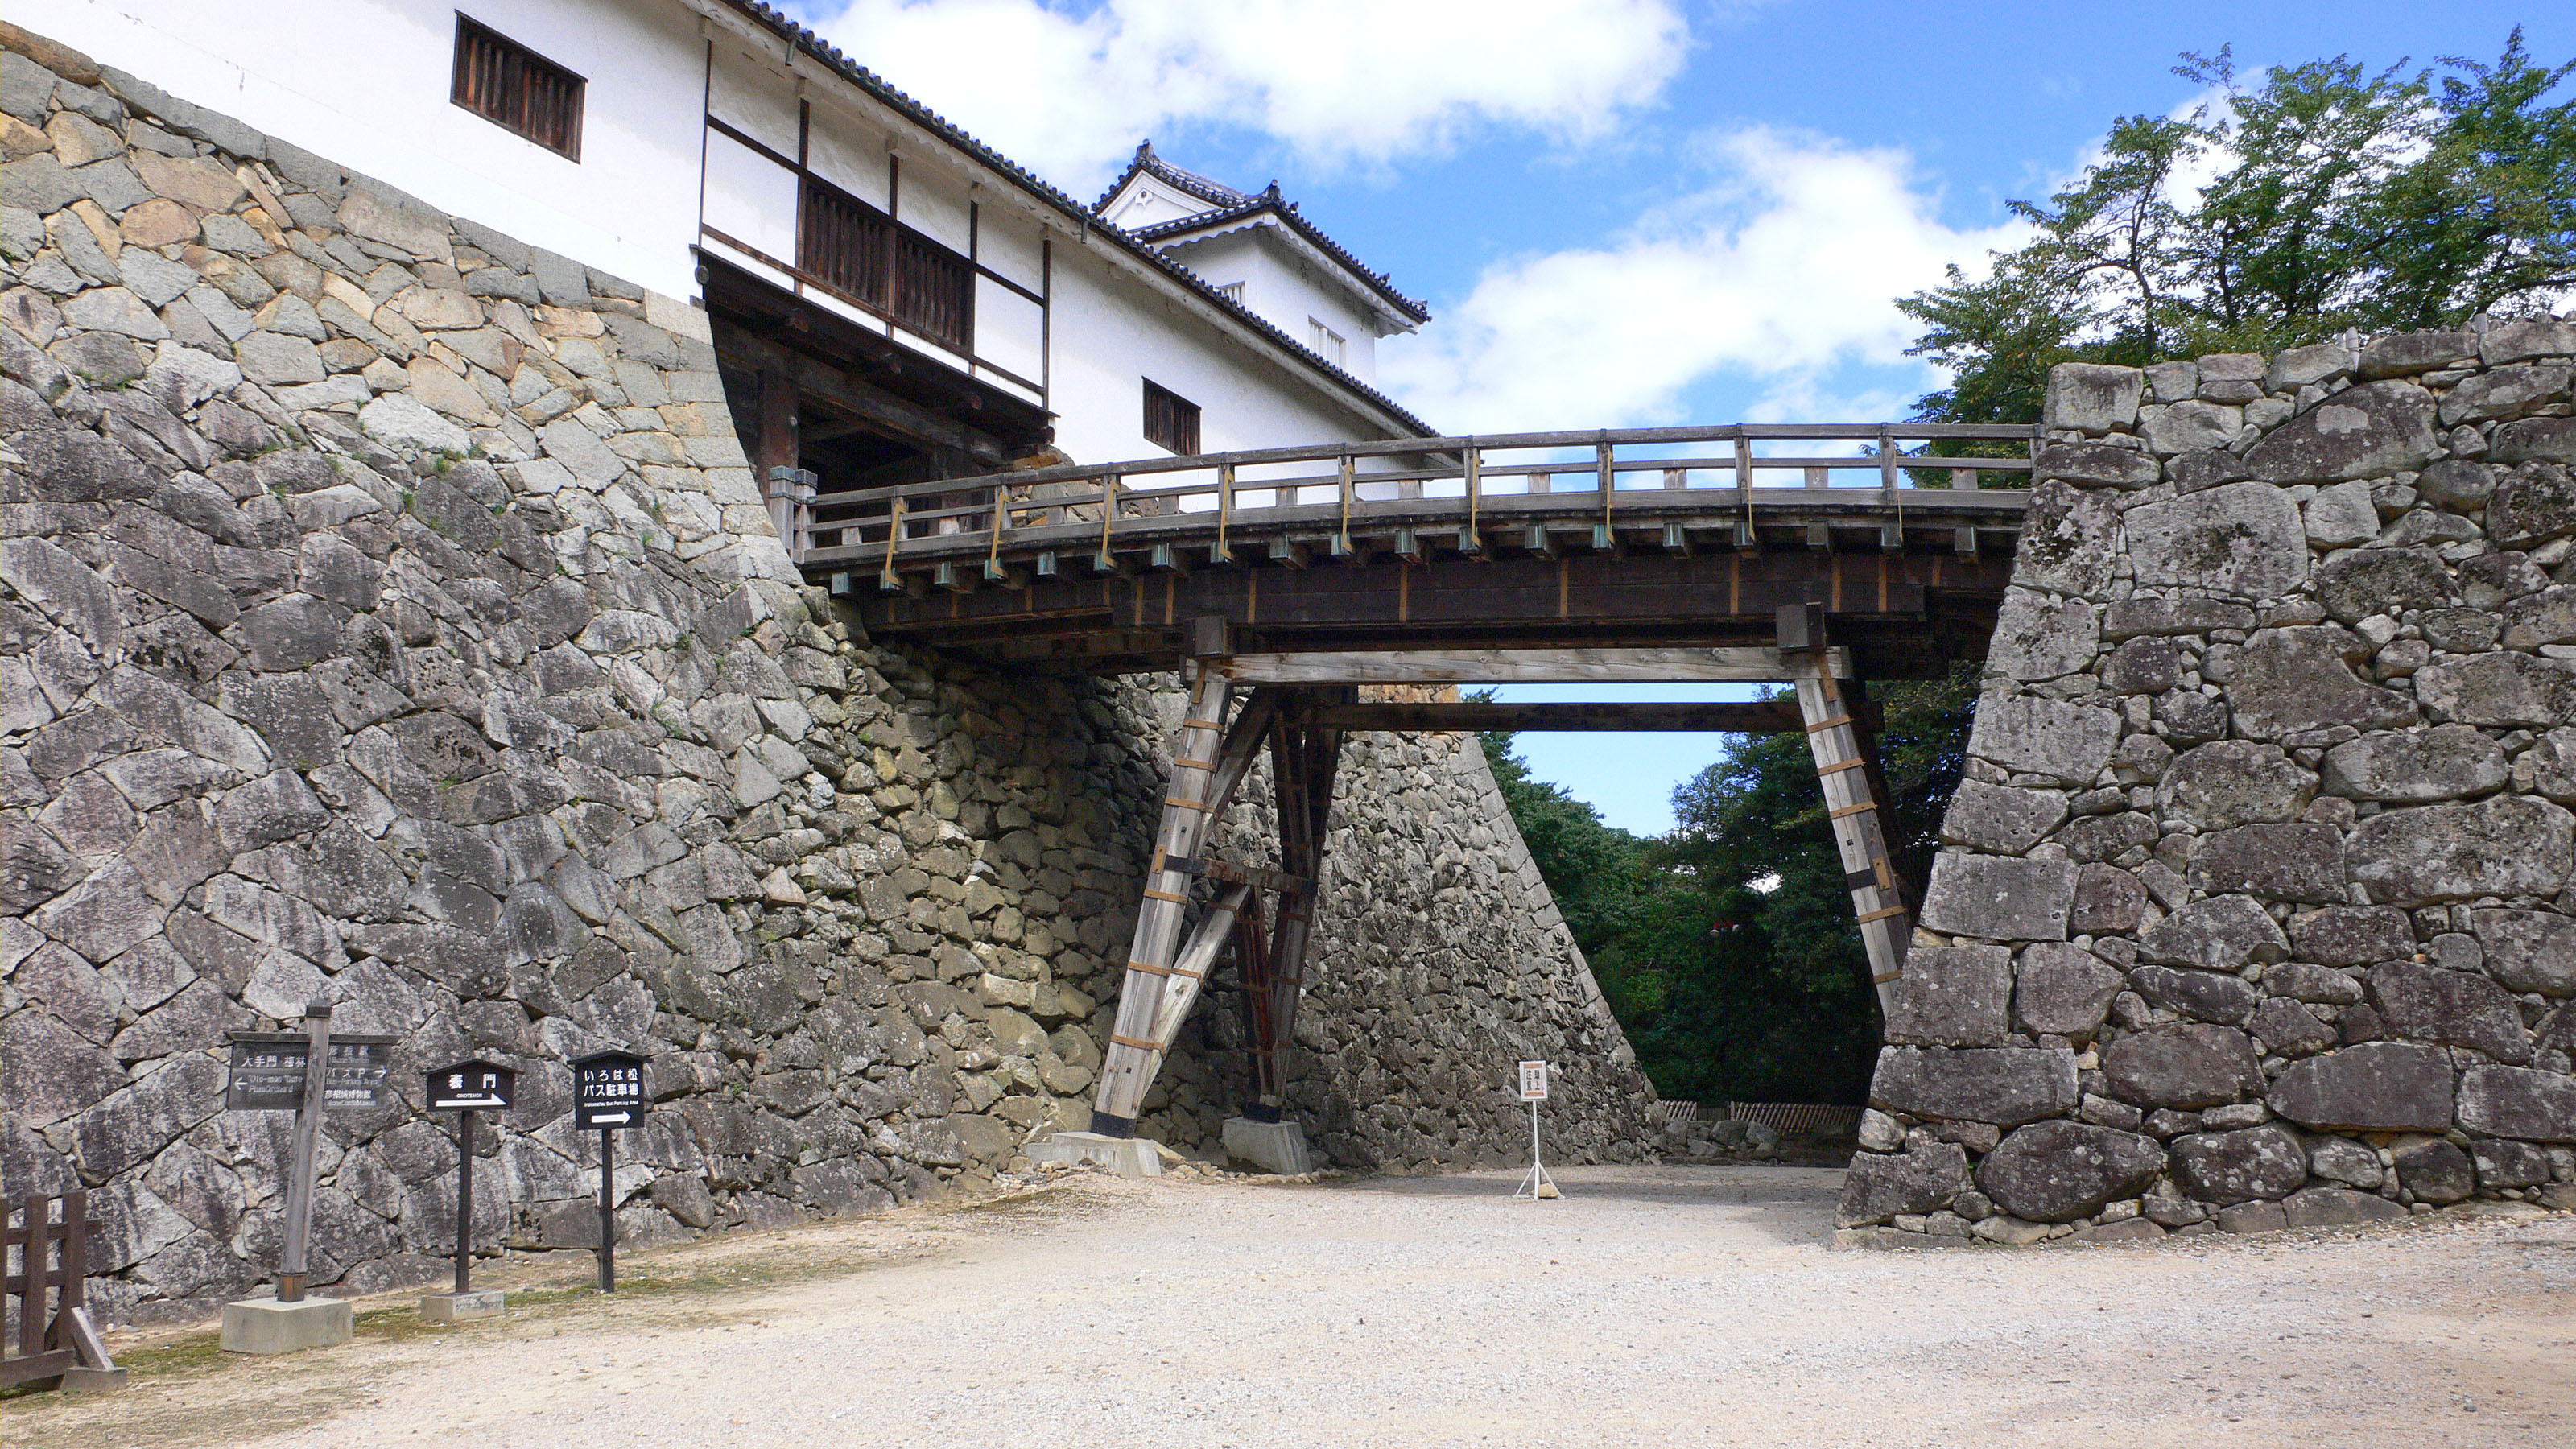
x: 1650, y: 1306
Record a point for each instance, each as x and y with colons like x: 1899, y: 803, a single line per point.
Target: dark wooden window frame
x: 886, y: 266
x: 517, y: 89
x: 1171, y: 420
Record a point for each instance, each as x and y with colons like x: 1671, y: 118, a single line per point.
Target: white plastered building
x: 891, y: 300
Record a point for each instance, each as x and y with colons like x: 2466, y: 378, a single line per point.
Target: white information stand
x: 1537, y: 1184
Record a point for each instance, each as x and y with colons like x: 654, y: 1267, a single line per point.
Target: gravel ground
x: 1649, y: 1306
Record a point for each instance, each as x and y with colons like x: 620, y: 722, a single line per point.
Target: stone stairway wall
x: 2254, y: 908
x: 387, y: 611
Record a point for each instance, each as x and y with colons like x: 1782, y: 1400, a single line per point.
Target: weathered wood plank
x: 1774, y: 716
x: 1518, y: 666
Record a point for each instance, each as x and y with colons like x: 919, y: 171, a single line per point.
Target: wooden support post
x: 1303, y: 758
x: 1198, y: 760
x: 1834, y: 736
x: 1190, y: 969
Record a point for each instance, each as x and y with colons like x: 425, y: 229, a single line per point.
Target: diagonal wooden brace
x: 1842, y: 769
x: 1188, y: 810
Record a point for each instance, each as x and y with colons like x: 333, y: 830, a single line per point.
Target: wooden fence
x: 1779, y: 1116
x: 1506, y: 485
x: 47, y: 1255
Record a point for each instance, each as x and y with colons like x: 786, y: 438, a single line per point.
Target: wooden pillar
x: 1302, y: 763
x: 774, y: 446
x: 1834, y: 736
x: 1206, y: 764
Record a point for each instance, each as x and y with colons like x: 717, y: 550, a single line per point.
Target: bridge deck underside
x: 1903, y: 615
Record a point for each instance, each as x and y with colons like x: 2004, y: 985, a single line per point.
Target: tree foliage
x: 1729, y: 985
x: 2287, y: 209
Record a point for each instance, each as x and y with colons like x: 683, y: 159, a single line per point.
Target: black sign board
x: 473, y: 1086
x: 268, y: 1072
x: 607, y: 1091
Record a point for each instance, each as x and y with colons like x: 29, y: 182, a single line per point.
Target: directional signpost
x: 1537, y: 1184
x: 607, y: 1094
x: 270, y: 1074
x: 467, y: 1088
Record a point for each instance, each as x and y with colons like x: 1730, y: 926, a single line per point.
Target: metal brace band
x: 1128, y: 1041
x: 1200, y: 806
x: 1882, y: 915
x: 1203, y: 724
x: 1883, y: 980
x: 1184, y: 764
x: 1155, y: 895
x: 1850, y: 810
x: 1149, y: 968
x: 1821, y: 726
x: 1841, y: 765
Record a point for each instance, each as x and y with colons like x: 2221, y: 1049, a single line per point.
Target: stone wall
x: 387, y: 612
x: 2254, y: 906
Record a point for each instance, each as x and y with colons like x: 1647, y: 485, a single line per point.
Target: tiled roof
x: 1074, y: 211
x: 1214, y: 193
x: 1269, y: 202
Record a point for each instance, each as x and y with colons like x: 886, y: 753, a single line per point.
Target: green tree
x: 2318, y: 198
x: 1727, y: 948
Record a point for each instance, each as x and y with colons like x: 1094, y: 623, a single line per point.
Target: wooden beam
x: 1134, y: 1051
x: 1519, y: 666
x: 1838, y: 741
x: 1773, y: 716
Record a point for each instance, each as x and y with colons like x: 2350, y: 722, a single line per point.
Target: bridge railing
x: 1528, y: 481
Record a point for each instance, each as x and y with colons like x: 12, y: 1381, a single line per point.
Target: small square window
x: 517, y: 89
x: 1171, y: 421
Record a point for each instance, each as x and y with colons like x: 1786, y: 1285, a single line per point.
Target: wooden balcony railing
x: 1520, y: 491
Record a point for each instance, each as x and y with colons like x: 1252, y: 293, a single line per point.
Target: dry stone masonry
x: 387, y: 612
x: 2254, y: 908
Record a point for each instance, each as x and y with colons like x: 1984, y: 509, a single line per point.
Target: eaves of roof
x: 1214, y: 193
x: 1073, y: 211
x: 1269, y: 203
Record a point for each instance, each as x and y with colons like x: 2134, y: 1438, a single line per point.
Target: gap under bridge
x: 1278, y: 582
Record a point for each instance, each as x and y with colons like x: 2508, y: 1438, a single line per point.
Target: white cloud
x: 1782, y: 270
x: 1069, y: 93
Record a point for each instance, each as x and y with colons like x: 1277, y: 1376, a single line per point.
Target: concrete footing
x: 264, y: 1325
x: 460, y: 1307
x: 1125, y: 1156
x: 92, y: 1380
x: 1278, y: 1147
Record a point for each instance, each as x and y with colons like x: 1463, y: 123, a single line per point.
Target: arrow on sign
x: 606, y: 1118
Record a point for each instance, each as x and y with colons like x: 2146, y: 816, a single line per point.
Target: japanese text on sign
x: 471, y: 1086
x: 1533, y: 1081
x: 268, y: 1073
x: 608, y: 1091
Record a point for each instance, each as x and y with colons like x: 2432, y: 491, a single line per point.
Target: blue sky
x: 1622, y: 211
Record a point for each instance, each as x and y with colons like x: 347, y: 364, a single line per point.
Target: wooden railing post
x: 62, y: 1345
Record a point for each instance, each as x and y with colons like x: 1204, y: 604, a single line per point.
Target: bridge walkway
x: 1279, y: 582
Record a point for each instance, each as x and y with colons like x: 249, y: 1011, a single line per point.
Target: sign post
x: 308, y: 1073
x: 1537, y: 1184
x: 466, y: 1088
x: 299, y: 1171
x: 608, y: 1094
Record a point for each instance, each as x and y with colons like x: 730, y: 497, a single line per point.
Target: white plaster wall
x: 1111, y: 333
x: 365, y: 82
x: 1284, y: 289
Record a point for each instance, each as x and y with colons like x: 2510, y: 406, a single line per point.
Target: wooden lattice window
x: 1171, y: 421
x: 861, y: 251
x: 517, y: 89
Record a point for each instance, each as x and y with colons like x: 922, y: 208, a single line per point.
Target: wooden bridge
x: 1280, y: 581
